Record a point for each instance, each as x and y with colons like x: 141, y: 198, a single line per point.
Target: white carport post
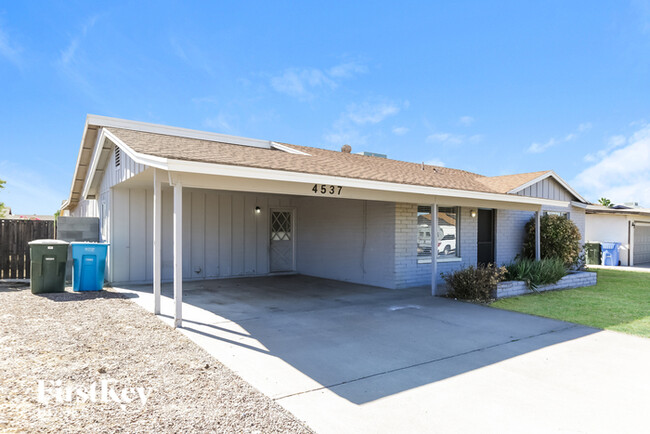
x: 157, y: 232
x: 538, y: 244
x: 434, y: 247
x: 178, y: 255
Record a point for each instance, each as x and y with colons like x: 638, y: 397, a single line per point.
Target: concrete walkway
x: 641, y: 268
x: 351, y: 358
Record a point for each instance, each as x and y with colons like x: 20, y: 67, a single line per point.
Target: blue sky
x: 490, y: 87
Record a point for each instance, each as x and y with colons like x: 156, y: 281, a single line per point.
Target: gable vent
x: 118, y: 157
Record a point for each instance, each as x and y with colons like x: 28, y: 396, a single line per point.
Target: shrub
x: 474, y: 283
x: 559, y: 238
x: 536, y: 273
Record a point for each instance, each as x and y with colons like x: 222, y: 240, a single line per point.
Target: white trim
x: 104, y: 121
x: 94, y: 161
x: 549, y: 174
x: 178, y: 255
x: 538, y: 231
x: 311, y: 178
x: 434, y: 248
x: 440, y: 260
x: 579, y: 204
x: 285, y: 148
x: 157, y: 239
x: 147, y: 160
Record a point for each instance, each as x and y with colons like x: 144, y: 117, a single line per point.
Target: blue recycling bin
x: 609, y: 253
x: 89, y: 263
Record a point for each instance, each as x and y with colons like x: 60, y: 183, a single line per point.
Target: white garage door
x: 641, y: 244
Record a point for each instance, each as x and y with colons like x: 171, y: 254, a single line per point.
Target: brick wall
x: 408, y: 272
x: 510, y: 234
x: 574, y: 280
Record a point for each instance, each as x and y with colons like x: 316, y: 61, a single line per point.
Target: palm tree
x: 605, y: 202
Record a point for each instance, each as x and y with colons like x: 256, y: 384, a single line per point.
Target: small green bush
x: 559, y: 238
x: 536, y: 273
x: 474, y: 283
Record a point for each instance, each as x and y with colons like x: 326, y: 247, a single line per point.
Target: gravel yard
x: 84, y: 338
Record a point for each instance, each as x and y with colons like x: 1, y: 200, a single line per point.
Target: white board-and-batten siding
x: 547, y: 188
x: 222, y: 234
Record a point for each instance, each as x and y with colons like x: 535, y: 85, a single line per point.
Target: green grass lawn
x: 620, y: 301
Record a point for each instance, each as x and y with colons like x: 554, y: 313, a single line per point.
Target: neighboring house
x: 621, y: 224
x: 182, y: 204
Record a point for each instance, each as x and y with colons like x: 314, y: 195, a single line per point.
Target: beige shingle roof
x: 506, y: 183
x: 319, y: 161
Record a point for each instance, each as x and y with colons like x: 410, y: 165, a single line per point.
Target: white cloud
x: 71, y: 62
x: 536, y: 147
x: 586, y: 126
x: 622, y: 174
x: 205, y: 100
x: 346, y: 70
x: 299, y: 82
x: 348, y: 128
x: 435, y: 162
x: 9, y: 50
x: 446, y: 138
x: 302, y: 83
x: 369, y: 113
x: 400, y: 131
x: 68, y: 54
x: 613, y: 143
x: 346, y: 136
x: 465, y: 121
x: 222, y: 122
x: 191, y: 54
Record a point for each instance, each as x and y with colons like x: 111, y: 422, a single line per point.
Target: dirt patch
x: 102, y: 338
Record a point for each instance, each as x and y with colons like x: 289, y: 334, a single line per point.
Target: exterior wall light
x: 258, y: 210
x: 473, y: 213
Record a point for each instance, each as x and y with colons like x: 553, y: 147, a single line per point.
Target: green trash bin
x: 593, y: 255
x: 48, y: 259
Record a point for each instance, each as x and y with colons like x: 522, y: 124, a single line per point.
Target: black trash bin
x: 47, y: 267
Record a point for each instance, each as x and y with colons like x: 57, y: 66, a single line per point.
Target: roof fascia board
x: 280, y: 175
x: 92, y: 170
x: 555, y: 176
x: 105, y: 121
x: 68, y: 201
x: 579, y: 204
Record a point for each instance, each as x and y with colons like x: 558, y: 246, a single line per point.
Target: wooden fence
x: 14, y: 248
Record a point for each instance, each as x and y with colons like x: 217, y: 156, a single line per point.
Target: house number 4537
x: 327, y: 189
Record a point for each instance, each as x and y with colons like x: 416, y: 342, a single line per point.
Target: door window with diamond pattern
x: 281, y: 241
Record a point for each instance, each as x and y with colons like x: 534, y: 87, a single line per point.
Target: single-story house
x: 621, y: 224
x: 178, y: 204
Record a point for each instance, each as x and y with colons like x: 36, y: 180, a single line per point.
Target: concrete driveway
x: 352, y: 358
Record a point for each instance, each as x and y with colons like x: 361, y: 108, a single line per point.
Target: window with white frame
x: 447, y: 233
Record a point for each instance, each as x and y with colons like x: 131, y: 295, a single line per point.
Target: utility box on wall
x: 79, y: 229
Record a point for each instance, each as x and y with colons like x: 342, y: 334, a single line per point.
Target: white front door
x: 282, y: 241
